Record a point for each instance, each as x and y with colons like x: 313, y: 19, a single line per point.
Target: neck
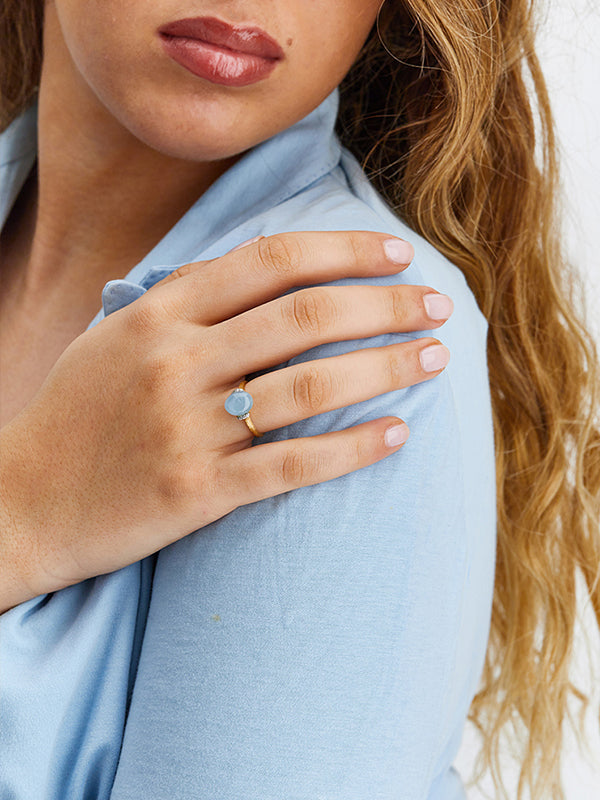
x: 102, y: 198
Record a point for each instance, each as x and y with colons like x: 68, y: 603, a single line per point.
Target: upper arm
x: 310, y: 645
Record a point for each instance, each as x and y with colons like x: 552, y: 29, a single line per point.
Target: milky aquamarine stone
x: 238, y: 403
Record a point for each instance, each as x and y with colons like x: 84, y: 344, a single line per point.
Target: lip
x: 241, y: 38
x: 233, y: 55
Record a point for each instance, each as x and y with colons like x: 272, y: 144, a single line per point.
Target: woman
x: 329, y: 641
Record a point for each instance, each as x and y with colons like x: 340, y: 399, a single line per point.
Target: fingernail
x: 438, y: 306
x: 434, y: 357
x: 398, y: 251
x: 396, y: 435
x: 247, y: 242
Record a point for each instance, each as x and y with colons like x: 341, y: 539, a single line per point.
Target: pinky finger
x: 266, y: 470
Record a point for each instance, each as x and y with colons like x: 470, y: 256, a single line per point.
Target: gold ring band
x: 248, y: 421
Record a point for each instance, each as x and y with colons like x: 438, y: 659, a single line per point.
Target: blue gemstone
x: 238, y: 402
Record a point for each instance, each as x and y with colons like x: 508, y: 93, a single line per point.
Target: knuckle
x: 279, y: 254
x: 185, y: 485
x: 360, y: 450
x: 313, y: 311
x: 190, y: 353
x: 176, y: 486
x: 358, y: 251
x: 312, y: 389
x: 158, y: 373
x: 160, y: 364
x: 394, y: 366
x: 299, y: 468
x: 397, y: 302
x: 146, y: 315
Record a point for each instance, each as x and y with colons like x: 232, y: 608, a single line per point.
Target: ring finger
x: 290, y: 394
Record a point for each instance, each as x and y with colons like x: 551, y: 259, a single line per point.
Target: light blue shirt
x: 323, y: 644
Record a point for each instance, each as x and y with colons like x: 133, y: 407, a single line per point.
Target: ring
x: 239, y: 403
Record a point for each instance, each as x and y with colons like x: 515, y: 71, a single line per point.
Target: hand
x: 127, y: 446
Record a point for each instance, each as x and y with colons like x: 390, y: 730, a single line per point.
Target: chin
x: 194, y: 131
x: 190, y: 146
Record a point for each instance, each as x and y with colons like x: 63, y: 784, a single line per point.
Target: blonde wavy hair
x: 447, y: 110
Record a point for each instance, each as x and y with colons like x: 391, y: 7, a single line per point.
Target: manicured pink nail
x: 434, y: 357
x: 399, y: 251
x: 396, y: 435
x: 438, y: 306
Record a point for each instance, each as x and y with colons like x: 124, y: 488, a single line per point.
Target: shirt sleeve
x: 316, y: 645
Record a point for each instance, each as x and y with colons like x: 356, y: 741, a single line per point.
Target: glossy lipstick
x: 231, y: 55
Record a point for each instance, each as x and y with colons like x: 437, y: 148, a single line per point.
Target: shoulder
x: 344, y: 199
x: 397, y: 556
x: 450, y: 416
x: 444, y: 481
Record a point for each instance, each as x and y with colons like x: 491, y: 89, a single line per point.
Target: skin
x: 136, y: 120
x: 128, y: 110
x: 81, y: 500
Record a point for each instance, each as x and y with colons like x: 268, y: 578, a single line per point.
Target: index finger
x: 209, y: 292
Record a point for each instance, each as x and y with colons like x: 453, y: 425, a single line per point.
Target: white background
x: 569, y: 46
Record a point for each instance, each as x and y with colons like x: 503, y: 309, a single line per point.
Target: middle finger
x: 280, y: 329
